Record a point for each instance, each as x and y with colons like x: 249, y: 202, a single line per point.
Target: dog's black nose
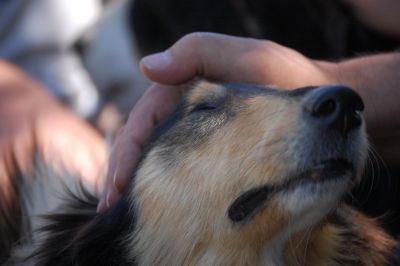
x: 337, y: 107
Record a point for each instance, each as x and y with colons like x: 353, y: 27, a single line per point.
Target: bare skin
x: 231, y: 59
x: 381, y: 15
x: 33, y: 119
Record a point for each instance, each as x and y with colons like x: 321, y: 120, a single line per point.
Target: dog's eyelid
x: 204, y: 106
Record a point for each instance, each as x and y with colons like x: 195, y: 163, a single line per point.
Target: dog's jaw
x: 308, y: 203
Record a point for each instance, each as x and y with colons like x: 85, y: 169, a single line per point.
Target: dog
x: 238, y: 175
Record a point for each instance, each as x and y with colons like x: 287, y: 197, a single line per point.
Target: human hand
x: 33, y: 121
x: 215, y: 57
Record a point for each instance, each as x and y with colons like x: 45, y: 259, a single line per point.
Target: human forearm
x: 225, y: 58
x: 380, y: 15
x: 377, y: 79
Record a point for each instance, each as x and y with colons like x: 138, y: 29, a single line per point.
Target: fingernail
x: 157, y: 61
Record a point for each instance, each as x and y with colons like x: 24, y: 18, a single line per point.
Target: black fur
x: 191, y: 124
x: 357, y: 246
x: 321, y: 29
x: 11, y: 221
x: 14, y: 224
x: 80, y: 236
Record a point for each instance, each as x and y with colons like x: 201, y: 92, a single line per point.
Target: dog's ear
x: 248, y: 203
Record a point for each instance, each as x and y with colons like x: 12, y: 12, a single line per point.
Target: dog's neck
x: 345, y: 237
x: 300, y: 248
x: 273, y: 253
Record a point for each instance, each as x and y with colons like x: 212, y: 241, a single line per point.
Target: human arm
x: 377, y: 79
x: 232, y: 59
x: 380, y: 15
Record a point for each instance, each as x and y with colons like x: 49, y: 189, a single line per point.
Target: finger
x: 212, y: 56
x: 154, y: 106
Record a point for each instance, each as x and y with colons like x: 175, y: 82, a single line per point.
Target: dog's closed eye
x: 204, y: 106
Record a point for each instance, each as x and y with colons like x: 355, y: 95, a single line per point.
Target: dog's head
x: 239, y: 167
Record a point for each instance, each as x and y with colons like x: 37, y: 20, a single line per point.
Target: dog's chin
x: 321, y: 185
x: 331, y: 169
x: 318, y: 190
x: 323, y: 172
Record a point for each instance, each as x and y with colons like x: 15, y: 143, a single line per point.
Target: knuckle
x: 193, y: 39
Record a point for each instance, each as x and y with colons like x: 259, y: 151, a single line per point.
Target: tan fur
x: 208, y: 196
x: 181, y: 195
x: 327, y: 242
x: 205, y: 89
x: 258, y: 147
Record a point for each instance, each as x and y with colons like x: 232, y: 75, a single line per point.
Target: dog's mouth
x: 326, y: 170
x: 330, y: 169
x: 247, y: 204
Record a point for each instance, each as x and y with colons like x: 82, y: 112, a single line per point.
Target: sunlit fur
x: 222, y: 142
x: 182, y: 205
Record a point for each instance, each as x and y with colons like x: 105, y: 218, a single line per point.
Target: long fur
x: 11, y: 221
x: 79, y: 236
x: 219, y: 184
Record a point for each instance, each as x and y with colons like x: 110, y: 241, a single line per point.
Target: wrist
x: 331, y: 72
